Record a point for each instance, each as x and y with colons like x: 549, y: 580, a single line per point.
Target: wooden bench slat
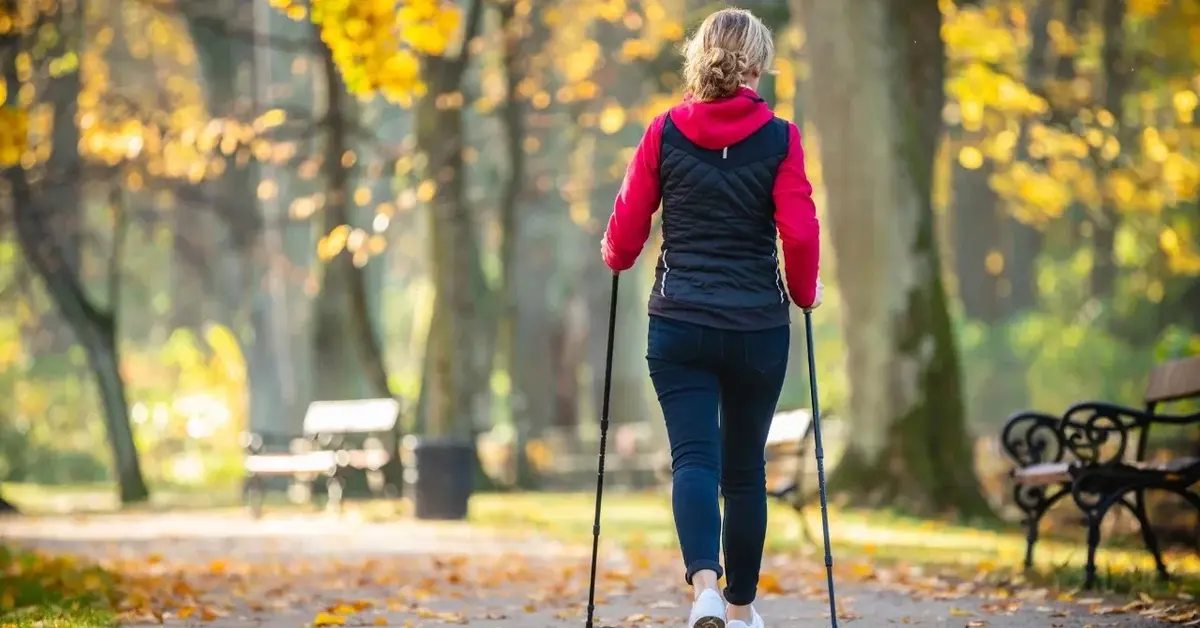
x: 788, y: 427
x: 351, y: 416
x: 372, y: 459
x: 287, y: 464
x: 1174, y: 380
x: 1043, y: 474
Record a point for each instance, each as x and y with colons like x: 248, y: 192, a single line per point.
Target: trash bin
x: 438, y: 478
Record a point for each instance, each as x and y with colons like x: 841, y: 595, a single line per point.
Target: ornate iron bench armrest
x: 1098, y: 432
x: 1033, y: 438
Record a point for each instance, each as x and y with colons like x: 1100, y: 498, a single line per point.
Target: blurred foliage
x: 186, y: 405
x: 142, y: 114
x: 377, y: 44
x: 1146, y: 165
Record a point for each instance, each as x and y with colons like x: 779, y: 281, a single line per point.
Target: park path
x: 228, y: 571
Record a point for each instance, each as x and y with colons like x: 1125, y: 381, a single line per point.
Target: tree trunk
x: 883, y: 105
x: 94, y: 329
x: 349, y: 360
x: 460, y: 374
x: 776, y: 16
x: 1117, y: 78
x: 210, y: 284
x: 1024, y: 242
x: 632, y: 399
x: 518, y: 355
x: 247, y: 283
x: 62, y: 189
x: 977, y: 224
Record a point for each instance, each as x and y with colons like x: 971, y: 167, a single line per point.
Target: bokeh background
x: 218, y: 211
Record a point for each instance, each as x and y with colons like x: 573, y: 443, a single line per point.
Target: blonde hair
x: 730, y: 47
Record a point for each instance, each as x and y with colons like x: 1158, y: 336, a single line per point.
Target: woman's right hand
x: 817, y: 299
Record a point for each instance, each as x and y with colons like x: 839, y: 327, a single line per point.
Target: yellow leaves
x: 612, y: 118
x: 376, y: 43
x: 979, y: 34
x: 635, y: 49
x: 202, y: 613
x: 14, y: 132
x: 425, y: 191
x: 769, y: 583
x: 428, y: 25
x: 1122, y: 188
x: 64, y: 65
x: 976, y: 86
x: 1184, y: 102
x: 1179, y: 244
x: 1145, y: 8
x: 333, y: 243
x: 328, y: 619
x: 578, y: 64
x: 610, y: 10
x: 269, y: 120
x: 970, y: 157
x: 357, y: 242
x: 1039, y: 195
x: 993, y: 262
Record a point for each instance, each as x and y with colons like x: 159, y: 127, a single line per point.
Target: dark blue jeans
x: 718, y: 391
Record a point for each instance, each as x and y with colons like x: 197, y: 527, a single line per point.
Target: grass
x: 102, y: 497
x: 52, y: 592
x: 868, y: 538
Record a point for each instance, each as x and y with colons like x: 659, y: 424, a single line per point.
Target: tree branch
x: 116, y: 255
x: 474, y: 20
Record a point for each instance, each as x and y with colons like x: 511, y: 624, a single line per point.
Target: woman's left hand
x: 605, y: 253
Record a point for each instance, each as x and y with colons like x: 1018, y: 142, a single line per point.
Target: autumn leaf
x: 328, y: 619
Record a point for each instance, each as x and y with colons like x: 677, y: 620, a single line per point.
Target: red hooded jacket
x: 714, y: 125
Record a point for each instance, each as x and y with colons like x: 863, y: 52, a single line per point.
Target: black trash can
x: 439, y: 477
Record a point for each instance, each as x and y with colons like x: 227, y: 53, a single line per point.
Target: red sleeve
x: 796, y: 218
x: 633, y: 211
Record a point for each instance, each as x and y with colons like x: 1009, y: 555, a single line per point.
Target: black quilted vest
x: 719, y: 265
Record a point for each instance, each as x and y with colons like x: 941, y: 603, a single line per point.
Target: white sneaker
x: 708, y: 611
x: 756, y: 621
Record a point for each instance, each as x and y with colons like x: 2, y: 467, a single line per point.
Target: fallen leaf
x: 328, y: 619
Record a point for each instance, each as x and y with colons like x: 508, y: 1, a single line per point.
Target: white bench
x: 323, y: 450
x: 785, y: 451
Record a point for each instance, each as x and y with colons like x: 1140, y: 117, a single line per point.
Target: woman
x: 728, y: 174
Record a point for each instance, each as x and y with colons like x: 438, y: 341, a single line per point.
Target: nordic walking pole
x: 816, y: 416
x: 608, y: 366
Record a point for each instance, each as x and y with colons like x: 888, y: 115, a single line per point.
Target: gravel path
x: 229, y: 571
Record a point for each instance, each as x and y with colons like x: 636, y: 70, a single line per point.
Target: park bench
x: 786, y: 440
x: 1097, y: 454
x: 338, y: 437
x: 785, y: 453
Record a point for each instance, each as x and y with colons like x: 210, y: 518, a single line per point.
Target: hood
x: 721, y: 123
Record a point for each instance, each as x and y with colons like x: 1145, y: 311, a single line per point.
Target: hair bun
x: 724, y: 72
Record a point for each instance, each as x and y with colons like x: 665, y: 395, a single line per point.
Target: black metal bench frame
x: 1093, y: 455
